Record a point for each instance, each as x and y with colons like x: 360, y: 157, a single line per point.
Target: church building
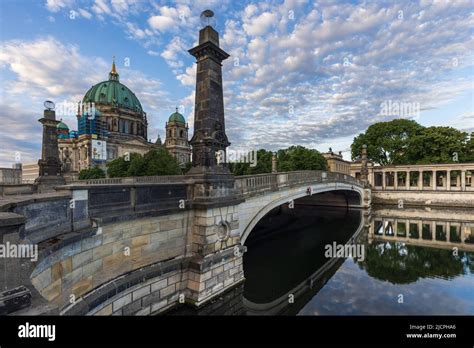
x: 111, y: 124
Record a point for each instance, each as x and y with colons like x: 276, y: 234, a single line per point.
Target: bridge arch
x: 255, y: 208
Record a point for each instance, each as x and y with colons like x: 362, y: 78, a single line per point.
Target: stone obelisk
x: 215, y: 236
x: 49, y: 164
x: 213, y: 180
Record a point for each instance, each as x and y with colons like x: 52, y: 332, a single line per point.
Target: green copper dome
x: 62, y: 125
x: 177, y: 117
x: 114, y: 93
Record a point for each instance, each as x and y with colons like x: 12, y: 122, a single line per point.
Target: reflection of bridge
x: 306, y: 288
x: 424, y: 228
x: 134, y: 245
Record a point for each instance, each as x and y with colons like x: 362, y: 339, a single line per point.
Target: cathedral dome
x: 62, y: 125
x: 177, y: 117
x: 112, y: 92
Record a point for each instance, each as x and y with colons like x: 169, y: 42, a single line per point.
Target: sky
x: 311, y: 73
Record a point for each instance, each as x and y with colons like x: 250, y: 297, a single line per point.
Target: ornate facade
x: 112, y: 123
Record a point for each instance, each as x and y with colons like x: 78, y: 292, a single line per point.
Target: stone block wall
x: 217, y: 265
x: 114, y: 250
x: 146, y: 298
x: 425, y: 198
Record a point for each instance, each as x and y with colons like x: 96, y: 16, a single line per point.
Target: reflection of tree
x: 401, y: 264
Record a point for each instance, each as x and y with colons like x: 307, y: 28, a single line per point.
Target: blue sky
x: 313, y: 73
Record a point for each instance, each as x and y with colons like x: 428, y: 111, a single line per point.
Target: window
x: 181, y: 134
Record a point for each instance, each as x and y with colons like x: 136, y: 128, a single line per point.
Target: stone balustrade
x: 249, y: 184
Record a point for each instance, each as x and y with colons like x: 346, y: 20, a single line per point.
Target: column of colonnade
x: 432, y: 185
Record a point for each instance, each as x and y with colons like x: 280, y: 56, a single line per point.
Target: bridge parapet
x: 249, y: 184
x: 156, y: 179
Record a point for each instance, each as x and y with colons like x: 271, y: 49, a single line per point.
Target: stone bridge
x: 141, y: 245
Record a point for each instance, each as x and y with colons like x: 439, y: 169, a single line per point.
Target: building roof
x: 177, y: 117
x: 114, y: 93
x: 62, y: 125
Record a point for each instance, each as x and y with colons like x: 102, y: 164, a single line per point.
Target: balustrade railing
x: 262, y: 182
x: 243, y: 184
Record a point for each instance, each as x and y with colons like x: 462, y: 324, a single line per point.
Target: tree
x: 300, y: 158
x: 160, y: 162
x: 91, y: 173
x: 119, y: 167
x: 263, y: 164
x: 387, y: 142
x: 155, y: 162
x: 290, y: 159
x: 438, y: 145
x: 469, y: 155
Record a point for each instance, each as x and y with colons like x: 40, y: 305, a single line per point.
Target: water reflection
x: 285, y: 256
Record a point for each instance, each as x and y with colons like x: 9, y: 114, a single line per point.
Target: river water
x: 409, y: 262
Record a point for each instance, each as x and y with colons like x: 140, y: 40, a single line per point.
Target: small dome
x: 177, y: 117
x: 62, y: 125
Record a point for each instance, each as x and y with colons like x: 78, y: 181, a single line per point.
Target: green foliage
x: 91, y: 173
x: 292, y: 158
x: 387, y: 142
x: 406, y: 142
x: 154, y: 162
x: 263, y: 165
x: 437, y: 145
x: 300, y: 158
x: 119, y: 166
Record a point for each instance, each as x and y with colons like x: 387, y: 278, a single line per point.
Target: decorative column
x: 448, y: 180
x: 209, y: 124
x: 364, y: 172
x: 463, y: 180
x: 420, y: 180
x: 407, y: 183
x: 383, y: 180
x: 395, y: 180
x: 49, y: 164
x: 434, y: 183
x: 216, y: 246
x: 274, y: 162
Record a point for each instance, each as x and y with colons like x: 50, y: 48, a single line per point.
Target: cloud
x: 58, y: 5
x: 259, y: 25
x: 85, y: 13
x: 173, y: 50
x: 101, y: 7
x: 161, y: 23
